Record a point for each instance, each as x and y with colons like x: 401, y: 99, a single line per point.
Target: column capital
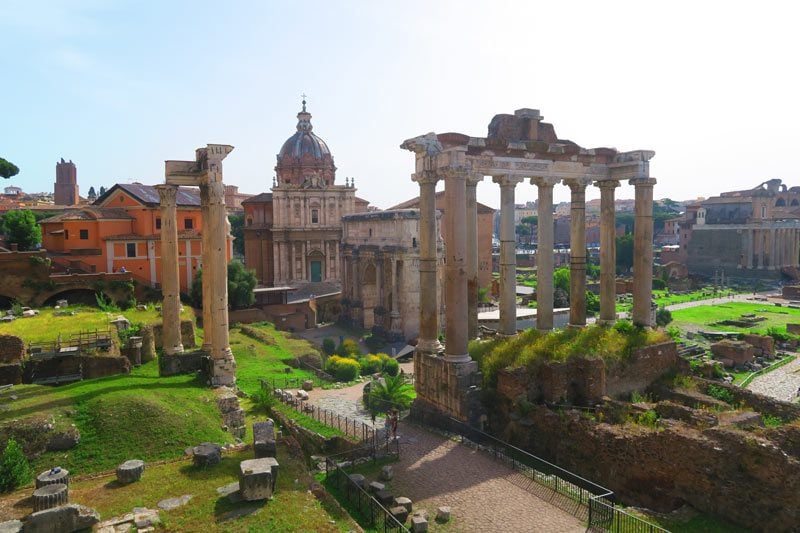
x: 544, y: 181
x: 507, y: 181
x: 451, y: 173
x: 425, y: 177
x: 642, y: 182
x: 168, y: 194
x: 474, y: 179
x: 577, y: 184
x: 607, y: 184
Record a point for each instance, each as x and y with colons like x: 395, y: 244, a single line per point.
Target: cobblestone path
x: 781, y: 384
x: 483, y: 494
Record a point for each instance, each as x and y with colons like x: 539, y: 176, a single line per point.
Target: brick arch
x: 6, y: 301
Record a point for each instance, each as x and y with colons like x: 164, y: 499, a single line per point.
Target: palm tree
x: 391, y: 392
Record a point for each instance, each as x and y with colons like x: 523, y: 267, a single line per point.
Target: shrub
x: 663, y: 317
x: 720, y: 393
x: 391, y: 367
x: 14, y: 468
x: 105, y: 304
x: 349, y: 348
x: 649, y: 418
x: 771, y: 421
x: 342, y: 368
x: 328, y: 346
x: 374, y: 343
x: 263, y: 400
x: 370, y: 364
x: 659, y: 284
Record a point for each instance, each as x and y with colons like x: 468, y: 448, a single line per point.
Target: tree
x: 561, y: 279
x: 8, y: 169
x: 241, y: 283
x: 531, y: 221
x: 92, y: 194
x: 102, y: 190
x: 21, y: 228
x: 523, y: 231
x: 14, y: 468
x: 625, y: 253
x: 663, y: 317
x: 392, y: 392
x: 237, y: 230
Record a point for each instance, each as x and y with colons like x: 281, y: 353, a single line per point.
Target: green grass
x: 707, y: 315
x: 697, y: 523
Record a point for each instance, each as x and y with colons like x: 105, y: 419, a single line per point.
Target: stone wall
x: 11, y: 374
x: 12, y: 349
x: 733, y: 353
x: 764, y: 345
x: 791, y: 292
x: 182, y: 363
x: 763, y: 404
x: 648, y: 365
x: 246, y: 316
x: 725, y: 472
x: 99, y: 367
x: 187, y: 334
x: 793, y: 329
x: 447, y: 387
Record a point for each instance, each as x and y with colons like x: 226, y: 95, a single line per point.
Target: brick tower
x: 66, y: 187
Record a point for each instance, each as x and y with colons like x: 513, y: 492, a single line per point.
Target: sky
x: 120, y: 86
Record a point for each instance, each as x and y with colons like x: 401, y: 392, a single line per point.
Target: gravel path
x: 781, y: 384
x: 484, y: 495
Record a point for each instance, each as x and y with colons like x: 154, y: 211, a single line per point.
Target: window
x: 370, y: 232
x: 763, y: 211
x: 66, y: 234
x: 188, y: 223
x: 413, y: 242
x: 249, y: 221
x: 84, y: 234
x: 158, y: 223
x: 315, y: 216
x: 130, y: 249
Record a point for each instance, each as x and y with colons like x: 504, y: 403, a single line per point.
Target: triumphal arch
x: 204, y: 172
x: 517, y: 148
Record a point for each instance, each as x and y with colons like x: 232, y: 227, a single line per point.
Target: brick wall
x: 12, y: 349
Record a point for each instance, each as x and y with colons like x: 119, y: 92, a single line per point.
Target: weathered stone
x: 375, y: 487
x: 308, y: 385
x: 384, y: 497
x: 257, y: 478
x: 144, y: 517
x: 49, y: 496
x: 11, y: 526
x: 303, y: 395
x: 64, y: 440
x: 228, y: 489
x: 358, y: 479
x: 173, y: 503
x: 744, y: 420
x: 130, y: 471
x: 400, y: 513
x: 387, y: 473
x: 52, y: 477
x: 317, y: 490
x: 419, y: 524
x: 264, y: 439
x: 62, y: 519
x: 405, y: 502
x: 116, y: 524
x: 206, y: 454
x: 443, y: 514
x: 12, y: 349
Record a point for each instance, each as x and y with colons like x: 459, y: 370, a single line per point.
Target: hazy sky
x: 118, y: 87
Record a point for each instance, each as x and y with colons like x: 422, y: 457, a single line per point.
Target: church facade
x: 293, y: 234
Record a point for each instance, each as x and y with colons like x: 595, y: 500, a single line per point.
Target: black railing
x: 291, y: 382
x: 365, y: 505
x: 595, y: 503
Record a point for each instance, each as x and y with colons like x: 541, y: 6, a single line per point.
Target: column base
x: 178, y: 348
x: 206, y: 347
x: 223, y: 370
x: 433, y: 347
x: 457, y: 358
x: 607, y: 321
x: 576, y: 326
x: 450, y: 389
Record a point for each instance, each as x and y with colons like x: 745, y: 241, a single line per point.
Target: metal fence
x: 597, y: 502
x: 290, y: 382
x: 370, y: 510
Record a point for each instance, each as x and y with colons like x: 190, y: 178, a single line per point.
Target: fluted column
x: 472, y: 255
x: 544, y: 253
x: 206, y: 274
x: 643, y: 250
x: 455, y: 282
x: 608, y: 252
x: 577, y: 252
x: 508, y: 255
x: 170, y: 275
x: 428, y: 312
x: 223, y: 364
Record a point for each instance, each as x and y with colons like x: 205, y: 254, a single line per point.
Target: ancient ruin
x: 517, y: 147
x: 204, y: 172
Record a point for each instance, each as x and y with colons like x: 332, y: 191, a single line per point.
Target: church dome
x: 304, y: 141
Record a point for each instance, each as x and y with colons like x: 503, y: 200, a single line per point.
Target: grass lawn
x: 705, y: 315
x: 697, y: 523
x: 292, y: 508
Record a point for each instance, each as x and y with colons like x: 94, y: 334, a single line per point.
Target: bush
x: 349, y: 348
x: 14, y: 468
x: 391, y: 367
x: 659, y: 284
x: 370, y: 364
x: 342, y: 368
x: 328, y: 346
x: 263, y: 400
x: 374, y: 343
x: 720, y: 393
x: 663, y: 317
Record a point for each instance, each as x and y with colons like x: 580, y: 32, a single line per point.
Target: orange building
x: 122, y: 229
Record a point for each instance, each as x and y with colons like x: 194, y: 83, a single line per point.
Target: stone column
x: 395, y: 291
x: 428, y: 312
x: 472, y: 255
x: 223, y: 371
x: 170, y: 275
x: 749, y: 250
x: 759, y: 236
x: 577, y: 252
x: 455, y: 283
x: 508, y: 255
x: 206, y: 274
x: 643, y: 250
x: 608, y: 252
x: 544, y: 254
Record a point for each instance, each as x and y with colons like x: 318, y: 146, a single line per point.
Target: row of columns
x: 461, y: 256
x: 772, y: 248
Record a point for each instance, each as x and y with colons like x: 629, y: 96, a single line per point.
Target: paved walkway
x: 781, y: 384
x: 484, y: 495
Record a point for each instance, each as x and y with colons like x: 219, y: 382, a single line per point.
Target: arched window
x: 780, y: 202
x: 794, y: 202
x: 315, y: 216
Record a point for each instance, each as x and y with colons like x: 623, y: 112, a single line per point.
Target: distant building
x: 12, y: 191
x: 234, y: 199
x: 66, y: 186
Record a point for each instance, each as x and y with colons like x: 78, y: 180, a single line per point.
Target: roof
x: 259, y: 198
x: 304, y: 141
x: 90, y: 213
x: 148, y: 194
x: 414, y: 203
